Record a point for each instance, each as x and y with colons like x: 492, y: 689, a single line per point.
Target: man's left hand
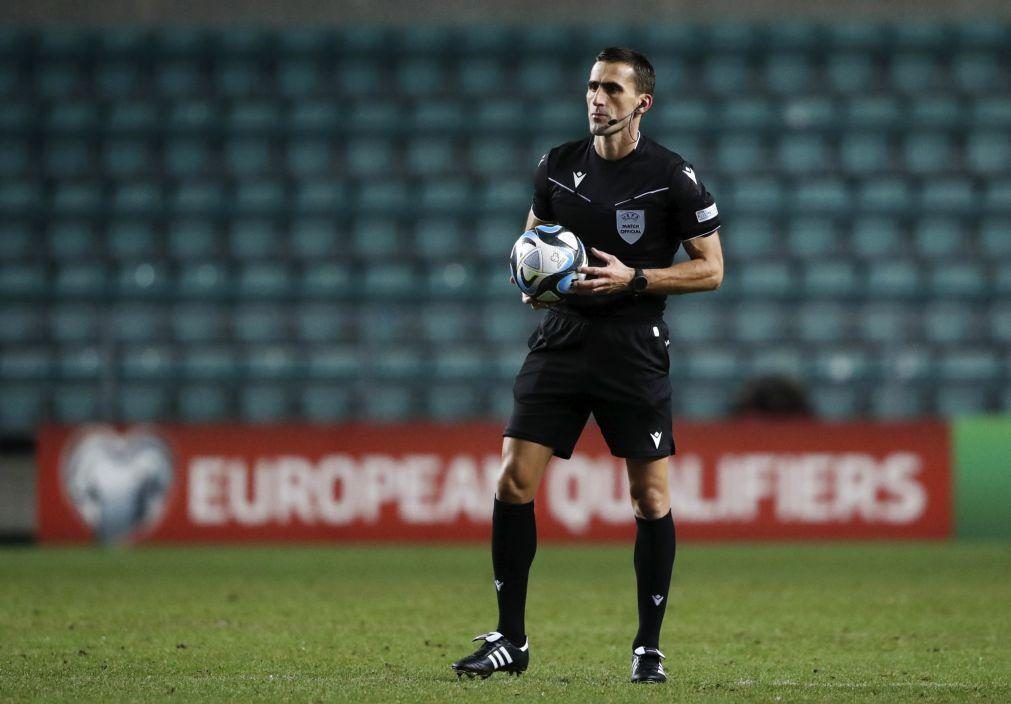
x: 613, y: 277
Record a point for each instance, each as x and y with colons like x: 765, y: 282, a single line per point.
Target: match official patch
x: 631, y: 224
x: 707, y: 213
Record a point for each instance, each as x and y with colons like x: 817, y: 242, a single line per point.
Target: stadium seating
x: 264, y: 224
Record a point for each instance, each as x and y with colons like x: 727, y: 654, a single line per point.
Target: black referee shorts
x: 615, y: 368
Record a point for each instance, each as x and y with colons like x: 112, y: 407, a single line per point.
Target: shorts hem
x: 561, y: 453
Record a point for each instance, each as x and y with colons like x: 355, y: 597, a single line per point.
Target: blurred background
x: 301, y: 212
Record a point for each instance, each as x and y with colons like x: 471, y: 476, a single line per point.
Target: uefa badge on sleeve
x: 631, y: 224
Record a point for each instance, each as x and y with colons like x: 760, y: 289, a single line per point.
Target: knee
x: 650, y: 502
x: 516, y: 484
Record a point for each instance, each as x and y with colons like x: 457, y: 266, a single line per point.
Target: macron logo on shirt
x: 577, y: 177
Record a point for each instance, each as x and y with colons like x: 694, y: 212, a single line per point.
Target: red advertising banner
x: 420, y: 482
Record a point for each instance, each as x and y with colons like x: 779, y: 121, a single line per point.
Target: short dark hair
x: 645, y: 76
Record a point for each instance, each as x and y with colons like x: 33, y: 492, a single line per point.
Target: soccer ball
x: 545, y: 261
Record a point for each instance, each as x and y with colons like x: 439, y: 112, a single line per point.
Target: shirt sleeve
x: 541, y: 205
x: 695, y: 211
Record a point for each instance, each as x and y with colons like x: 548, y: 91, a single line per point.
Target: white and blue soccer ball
x: 545, y: 261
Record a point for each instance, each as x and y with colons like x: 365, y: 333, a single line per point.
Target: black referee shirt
x: 639, y: 208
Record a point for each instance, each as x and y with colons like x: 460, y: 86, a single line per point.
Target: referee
x: 633, y: 203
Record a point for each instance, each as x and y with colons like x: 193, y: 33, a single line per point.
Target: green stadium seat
x: 494, y: 155
x: 953, y: 195
x: 77, y: 363
x: 12, y: 81
x: 703, y: 401
x: 16, y: 159
x: 504, y: 366
x: 841, y: 365
x: 17, y: 240
x: 682, y: 116
x: 255, y: 238
x: 696, y: 322
x: 759, y: 322
x: 829, y: 196
x: 492, y: 282
x: 314, y: 238
x: 378, y: 117
x: 854, y: 34
x: 192, y: 238
x: 198, y: 198
x: 850, y: 73
x: 494, y: 236
x: 988, y: 153
x: 830, y: 279
x: 997, y: 198
x: 362, y: 77
x: 480, y: 77
x: 115, y: 80
x: 72, y: 119
x: 913, y: 73
x: 323, y: 323
x: 1000, y: 323
x: 788, y: 361
x: 940, y: 238
x: 897, y: 402
x: 237, y: 78
x: 980, y: 33
x: 959, y: 280
x: 76, y: 403
x: 458, y: 363
x: 862, y: 153
x: 203, y: 404
x: 508, y: 323
x: 146, y: 362
x: 326, y: 404
x: 430, y: 157
x: 454, y: 403
x: 448, y: 195
x: 136, y: 322
x: 143, y: 402
x: 81, y: 198
x: 447, y: 322
x: 938, y: 113
x: 20, y: 281
x: 326, y: 281
x: 376, y: 239
x: 194, y: 117
x: 389, y: 404
x: 498, y: 116
x: 384, y: 324
x: 762, y: 280
x: 928, y: 153
x: 25, y: 363
x: 885, y: 195
x: 758, y: 195
x: 180, y: 79
x: 962, y: 400
x: 740, y: 152
x: 314, y: 117
x: 23, y: 409
x: 977, y: 73
x: 995, y: 237
x: 757, y: 113
x: 198, y: 323
x: 387, y: 196
x: 68, y: 158
x: 812, y: 237
x: 309, y: 157
x: 823, y: 322
x: 80, y: 280
x: 443, y: 117
x: 420, y: 77
x: 992, y: 112
x: 21, y: 323
x: 788, y: 74
x: 264, y: 403
x: 946, y: 323
x: 128, y: 158
x: 264, y: 280
x: 506, y: 195
x: 60, y: 81
x: 803, y: 154
x: 320, y: 197
x: 297, y: 78
x: 834, y: 402
x: 208, y: 362
x: 258, y: 323
x: 188, y: 157
x: 261, y: 196
x: 439, y: 239
x: 133, y: 239
x: 893, y: 279
x: 873, y: 112
x: 454, y: 280
x: 276, y: 362
x: 885, y: 323
x: 142, y: 279
x: 75, y: 323
x: 390, y: 281
x: 706, y: 364
x: 873, y: 237
x: 133, y: 119
x: 203, y: 280
x: 248, y: 156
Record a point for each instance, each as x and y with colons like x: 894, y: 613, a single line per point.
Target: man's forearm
x: 685, y: 277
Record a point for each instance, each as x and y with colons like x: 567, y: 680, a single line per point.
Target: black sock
x: 654, y: 562
x: 513, y: 544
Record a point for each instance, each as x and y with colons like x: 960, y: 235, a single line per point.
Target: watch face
x: 639, y: 282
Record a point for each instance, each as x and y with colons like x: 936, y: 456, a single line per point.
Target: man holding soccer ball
x: 604, y: 348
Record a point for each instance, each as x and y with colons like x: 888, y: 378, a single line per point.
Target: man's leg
x: 514, y: 531
x: 654, y: 544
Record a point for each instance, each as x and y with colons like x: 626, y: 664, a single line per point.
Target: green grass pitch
x: 747, y: 623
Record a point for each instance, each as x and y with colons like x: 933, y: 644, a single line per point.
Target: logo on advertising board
x: 118, y: 483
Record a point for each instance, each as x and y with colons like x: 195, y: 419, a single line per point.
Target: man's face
x: 610, y: 95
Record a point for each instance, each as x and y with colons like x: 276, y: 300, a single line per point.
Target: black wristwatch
x: 639, y: 281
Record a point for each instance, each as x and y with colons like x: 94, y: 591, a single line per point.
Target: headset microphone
x: 617, y: 120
